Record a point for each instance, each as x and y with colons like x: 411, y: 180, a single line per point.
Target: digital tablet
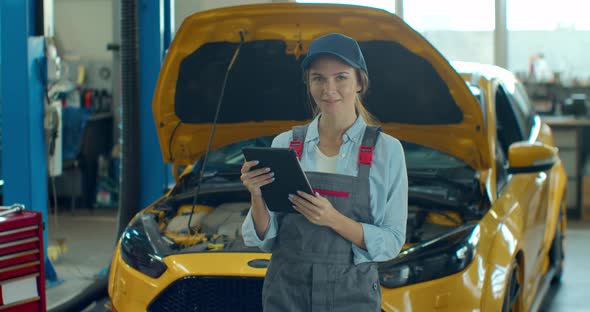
x: 289, y: 176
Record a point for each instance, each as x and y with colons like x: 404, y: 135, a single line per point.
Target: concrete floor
x: 572, y: 293
x: 90, y: 239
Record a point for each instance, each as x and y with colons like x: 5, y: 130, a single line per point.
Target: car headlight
x: 441, y: 256
x: 142, y: 247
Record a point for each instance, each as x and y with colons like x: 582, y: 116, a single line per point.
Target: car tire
x: 557, y: 251
x: 513, y: 287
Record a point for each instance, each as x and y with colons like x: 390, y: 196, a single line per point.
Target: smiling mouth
x: 330, y: 101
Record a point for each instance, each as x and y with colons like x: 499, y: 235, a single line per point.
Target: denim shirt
x: 388, y: 183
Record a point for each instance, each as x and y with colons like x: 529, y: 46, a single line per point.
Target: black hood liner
x: 267, y: 84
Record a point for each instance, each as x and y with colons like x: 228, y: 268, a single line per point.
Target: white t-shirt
x: 324, y: 163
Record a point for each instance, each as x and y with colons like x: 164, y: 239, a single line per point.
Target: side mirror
x: 525, y: 157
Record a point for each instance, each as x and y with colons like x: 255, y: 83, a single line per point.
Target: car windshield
x: 230, y: 157
x: 418, y: 157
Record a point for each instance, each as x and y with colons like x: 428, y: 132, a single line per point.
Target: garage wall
x: 565, y: 50
x: 83, y: 28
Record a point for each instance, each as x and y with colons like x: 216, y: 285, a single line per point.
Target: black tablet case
x: 289, y: 176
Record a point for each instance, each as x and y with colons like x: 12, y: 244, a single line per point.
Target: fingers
x: 258, y: 184
x: 299, y: 201
x: 254, y: 173
x: 309, y: 210
x: 261, y: 179
x: 248, y: 164
x: 257, y: 180
x: 315, y: 199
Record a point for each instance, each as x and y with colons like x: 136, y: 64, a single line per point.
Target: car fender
x: 556, y: 206
x: 504, y: 249
x: 557, y: 188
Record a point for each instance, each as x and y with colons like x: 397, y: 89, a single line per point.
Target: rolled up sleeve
x: 389, y: 204
x: 251, y: 238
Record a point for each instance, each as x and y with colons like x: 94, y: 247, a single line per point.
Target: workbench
x: 572, y: 137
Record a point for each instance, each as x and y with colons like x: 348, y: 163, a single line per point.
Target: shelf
x: 569, y: 121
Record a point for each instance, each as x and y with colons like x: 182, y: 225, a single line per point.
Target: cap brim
x: 309, y: 59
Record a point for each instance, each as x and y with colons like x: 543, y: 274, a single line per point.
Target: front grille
x: 210, y: 294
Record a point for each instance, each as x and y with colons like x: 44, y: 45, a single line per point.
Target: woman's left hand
x: 317, y: 209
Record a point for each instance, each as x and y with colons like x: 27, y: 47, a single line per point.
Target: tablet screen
x: 289, y: 176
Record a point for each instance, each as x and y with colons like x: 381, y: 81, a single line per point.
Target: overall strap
x: 366, y: 151
x: 299, y: 133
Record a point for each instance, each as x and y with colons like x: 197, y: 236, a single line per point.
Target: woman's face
x: 333, y: 85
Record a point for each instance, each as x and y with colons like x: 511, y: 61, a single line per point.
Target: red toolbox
x: 22, y: 273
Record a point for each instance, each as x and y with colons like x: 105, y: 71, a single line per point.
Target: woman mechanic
x: 325, y: 257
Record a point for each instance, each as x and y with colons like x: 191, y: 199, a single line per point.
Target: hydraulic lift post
x: 24, y: 166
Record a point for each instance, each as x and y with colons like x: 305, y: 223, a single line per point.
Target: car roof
x: 485, y: 71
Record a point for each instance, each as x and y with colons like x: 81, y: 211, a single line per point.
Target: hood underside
x: 414, y: 92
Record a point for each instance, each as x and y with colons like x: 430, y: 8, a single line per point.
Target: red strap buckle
x: 297, y: 146
x: 366, y: 155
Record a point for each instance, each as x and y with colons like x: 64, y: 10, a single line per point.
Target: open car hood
x: 414, y: 91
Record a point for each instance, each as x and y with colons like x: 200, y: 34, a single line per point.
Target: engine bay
x: 216, y: 223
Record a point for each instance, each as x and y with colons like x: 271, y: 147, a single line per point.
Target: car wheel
x: 557, y: 252
x: 513, y: 286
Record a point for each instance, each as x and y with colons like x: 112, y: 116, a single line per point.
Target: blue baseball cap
x: 341, y: 46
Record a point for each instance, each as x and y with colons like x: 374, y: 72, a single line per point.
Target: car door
x: 525, y: 114
x: 528, y: 191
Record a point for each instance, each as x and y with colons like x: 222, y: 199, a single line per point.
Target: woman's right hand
x: 255, y: 179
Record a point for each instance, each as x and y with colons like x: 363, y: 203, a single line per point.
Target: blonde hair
x: 363, y: 80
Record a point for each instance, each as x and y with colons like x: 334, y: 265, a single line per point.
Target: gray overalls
x: 312, y: 266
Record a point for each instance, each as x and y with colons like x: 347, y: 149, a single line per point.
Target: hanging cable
x: 204, y: 162
x: 172, y: 138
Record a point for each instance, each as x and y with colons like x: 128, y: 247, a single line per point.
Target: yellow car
x: 486, y: 216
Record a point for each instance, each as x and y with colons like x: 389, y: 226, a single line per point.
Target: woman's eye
x: 316, y: 78
x: 340, y: 78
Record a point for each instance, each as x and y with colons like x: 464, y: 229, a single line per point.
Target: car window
x: 523, y: 102
x: 508, y: 129
x: 501, y: 169
x: 480, y: 96
x: 522, y: 107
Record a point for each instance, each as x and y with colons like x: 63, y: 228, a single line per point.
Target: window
x: 464, y: 15
x: 547, y: 14
x: 387, y: 5
x: 459, y: 29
